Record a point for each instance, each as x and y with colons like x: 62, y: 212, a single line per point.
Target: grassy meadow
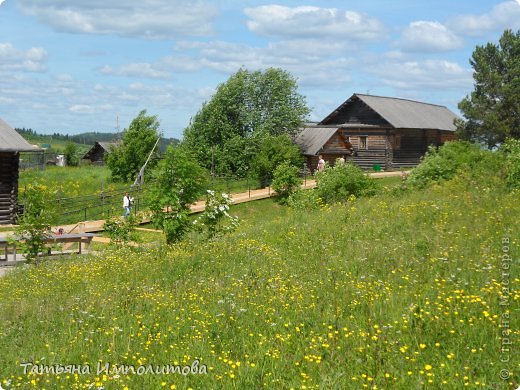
x: 71, y: 181
x: 405, y: 290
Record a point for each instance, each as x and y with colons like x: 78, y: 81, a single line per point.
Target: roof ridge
x: 398, y: 98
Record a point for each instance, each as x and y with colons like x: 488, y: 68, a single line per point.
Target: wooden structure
x: 376, y: 131
x: 80, y: 238
x: 11, y: 144
x: 99, y: 151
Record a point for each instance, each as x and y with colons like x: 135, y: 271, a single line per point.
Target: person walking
x: 321, y: 164
x: 127, y: 204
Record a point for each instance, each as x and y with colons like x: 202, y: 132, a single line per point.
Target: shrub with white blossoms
x: 216, y: 220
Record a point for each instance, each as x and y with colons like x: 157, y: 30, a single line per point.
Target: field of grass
x: 408, y: 292
x: 70, y: 181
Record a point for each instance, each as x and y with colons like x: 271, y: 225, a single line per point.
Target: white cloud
x: 312, y: 22
x: 502, y: 16
x: 305, y: 64
x: 139, y: 70
x: 155, y: 19
x: 32, y: 60
x: 427, y: 74
x: 425, y: 36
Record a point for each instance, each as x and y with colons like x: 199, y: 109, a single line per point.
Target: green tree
x: 272, y: 152
x: 179, y: 181
x: 249, y: 105
x: 492, y: 110
x: 71, y: 154
x: 138, y: 140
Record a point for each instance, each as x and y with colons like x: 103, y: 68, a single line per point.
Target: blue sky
x: 89, y: 65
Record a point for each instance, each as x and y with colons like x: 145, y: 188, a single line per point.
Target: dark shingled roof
x: 11, y: 141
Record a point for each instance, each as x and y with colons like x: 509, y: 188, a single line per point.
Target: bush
x: 286, y: 181
x: 71, y: 154
x: 511, y: 151
x: 338, y: 183
x: 36, y: 221
x: 305, y: 200
x: 273, y: 151
x: 121, y: 230
x: 216, y: 220
x: 440, y: 164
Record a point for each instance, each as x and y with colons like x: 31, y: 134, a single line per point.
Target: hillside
x: 406, y: 289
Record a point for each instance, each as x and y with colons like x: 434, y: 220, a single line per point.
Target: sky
x: 72, y: 66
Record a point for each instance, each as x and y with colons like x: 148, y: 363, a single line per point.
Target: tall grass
x: 387, y: 292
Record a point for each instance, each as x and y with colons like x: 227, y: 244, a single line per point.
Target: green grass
x: 80, y: 188
x: 71, y: 181
x: 395, y: 292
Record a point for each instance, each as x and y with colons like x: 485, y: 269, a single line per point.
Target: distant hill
x: 85, y: 140
x: 88, y: 138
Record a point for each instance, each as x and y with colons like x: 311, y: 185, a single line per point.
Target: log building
x: 97, y: 154
x: 11, y: 144
x: 378, y: 131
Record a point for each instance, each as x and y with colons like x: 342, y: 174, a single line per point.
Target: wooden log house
x: 97, y: 154
x: 377, y: 131
x: 11, y: 144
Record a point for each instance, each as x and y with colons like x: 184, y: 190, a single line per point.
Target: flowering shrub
x: 216, y: 220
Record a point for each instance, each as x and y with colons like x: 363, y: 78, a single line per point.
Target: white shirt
x: 127, y: 201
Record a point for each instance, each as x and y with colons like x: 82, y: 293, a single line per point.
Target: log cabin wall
x: 371, y: 146
x: 9, y: 162
x: 410, y: 145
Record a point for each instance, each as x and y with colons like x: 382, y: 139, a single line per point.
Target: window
x: 363, y: 142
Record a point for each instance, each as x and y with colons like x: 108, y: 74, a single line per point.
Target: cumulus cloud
x: 305, y: 64
x: 139, y: 70
x: 308, y: 21
x: 502, y: 16
x: 154, y: 19
x: 425, y: 36
x: 426, y: 74
x: 13, y: 59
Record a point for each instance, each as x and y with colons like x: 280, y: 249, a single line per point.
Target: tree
x: 272, y: 152
x: 138, y: 140
x: 179, y: 181
x: 248, y: 106
x: 492, y: 110
x: 71, y: 154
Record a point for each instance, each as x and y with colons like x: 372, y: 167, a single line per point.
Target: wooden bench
x: 80, y: 238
